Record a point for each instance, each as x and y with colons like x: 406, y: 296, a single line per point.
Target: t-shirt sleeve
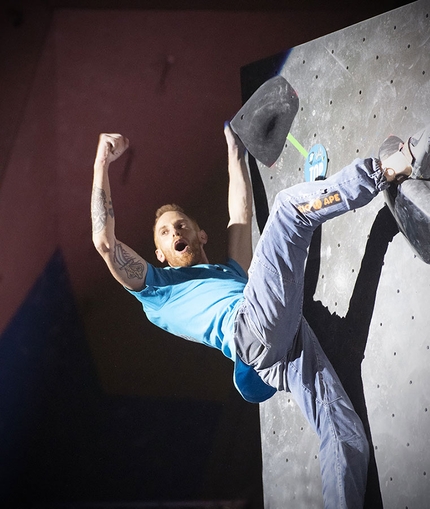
x: 151, y: 295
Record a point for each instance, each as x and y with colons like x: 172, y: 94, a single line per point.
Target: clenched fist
x: 110, y: 147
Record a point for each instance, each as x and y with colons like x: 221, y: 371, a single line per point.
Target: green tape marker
x: 296, y: 144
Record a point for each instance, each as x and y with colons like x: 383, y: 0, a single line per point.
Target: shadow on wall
x: 64, y: 440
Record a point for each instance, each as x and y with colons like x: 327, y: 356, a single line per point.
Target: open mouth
x: 180, y: 246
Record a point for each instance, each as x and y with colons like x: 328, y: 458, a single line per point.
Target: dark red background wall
x: 167, y: 79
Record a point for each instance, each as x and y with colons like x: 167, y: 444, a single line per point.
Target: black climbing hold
x: 264, y: 121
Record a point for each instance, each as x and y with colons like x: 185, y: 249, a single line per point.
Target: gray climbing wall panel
x: 370, y: 291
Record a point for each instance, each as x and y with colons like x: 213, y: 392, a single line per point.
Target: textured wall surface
x: 367, y: 297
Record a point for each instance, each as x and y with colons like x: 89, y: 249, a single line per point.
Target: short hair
x: 389, y: 147
x: 171, y: 207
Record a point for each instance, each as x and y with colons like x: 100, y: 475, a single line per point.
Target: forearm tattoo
x: 133, y: 269
x: 99, y: 211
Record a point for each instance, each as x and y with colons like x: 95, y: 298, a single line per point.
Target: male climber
x: 250, y: 306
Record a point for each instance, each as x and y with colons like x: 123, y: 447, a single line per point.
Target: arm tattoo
x: 98, y: 209
x: 133, y: 269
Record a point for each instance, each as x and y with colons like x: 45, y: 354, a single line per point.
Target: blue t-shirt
x: 200, y: 303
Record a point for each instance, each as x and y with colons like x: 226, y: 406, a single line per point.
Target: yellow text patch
x: 320, y: 203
